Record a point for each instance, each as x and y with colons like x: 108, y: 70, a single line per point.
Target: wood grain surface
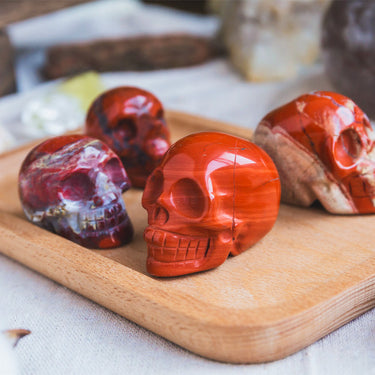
x: 310, y: 275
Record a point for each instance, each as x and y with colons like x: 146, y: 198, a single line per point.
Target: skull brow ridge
x: 58, y: 157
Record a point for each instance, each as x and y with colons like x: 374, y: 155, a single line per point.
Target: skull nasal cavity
x: 161, y: 216
x: 78, y: 187
x: 348, y: 147
x: 188, y: 198
x: 127, y: 128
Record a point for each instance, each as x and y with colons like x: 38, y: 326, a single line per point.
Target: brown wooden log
x: 7, y: 78
x: 136, y: 53
x: 17, y: 10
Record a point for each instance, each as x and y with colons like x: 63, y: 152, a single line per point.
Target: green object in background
x: 84, y: 87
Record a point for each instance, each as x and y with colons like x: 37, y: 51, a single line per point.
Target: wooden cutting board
x: 311, y: 274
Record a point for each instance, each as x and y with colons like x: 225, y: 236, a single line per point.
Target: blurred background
x: 224, y: 59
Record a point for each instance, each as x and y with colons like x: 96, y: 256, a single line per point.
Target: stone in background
x: 271, y: 39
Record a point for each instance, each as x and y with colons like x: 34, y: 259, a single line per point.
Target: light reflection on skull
x: 72, y: 186
x: 213, y: 195
x: 131, y: 122
x: 323, y: 147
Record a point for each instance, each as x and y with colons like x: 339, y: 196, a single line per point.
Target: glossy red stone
x: 323, y: 146
x: 131, y: 122
x: 72, y: 186
x: 213, y: 195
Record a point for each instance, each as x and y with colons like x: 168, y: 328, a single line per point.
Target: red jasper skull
x: 131, y: 122
x: 323, y: 146
x: 213, y: 194
x: 72, y: 185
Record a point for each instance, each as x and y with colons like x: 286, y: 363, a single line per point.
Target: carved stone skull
x: 131, y: 122
x: 72, y: 186
x: 213, y: 195
x: 323, y: 147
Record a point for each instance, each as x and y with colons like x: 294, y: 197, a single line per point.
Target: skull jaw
x: 186, y: 255
x: 104, y: 228
x: 362, y: 192
x: 115, y: 236
x: 163, y: 269
x: 170, y: 269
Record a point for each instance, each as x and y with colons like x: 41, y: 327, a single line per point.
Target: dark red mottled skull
x: 323, y: 146
x: 131, y: 122
x: 213, y: 195
x: 72, y: 186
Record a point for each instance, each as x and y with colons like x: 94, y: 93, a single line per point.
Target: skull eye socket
x: 114, y: 170
x: 77, y: 186
x: 188, y: 198
x: 348, y: 147
x: 126, y: 129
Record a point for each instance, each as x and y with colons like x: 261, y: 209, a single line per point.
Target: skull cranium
x: 323, y: 147
x: 213, y: 195
x: 72, y: 185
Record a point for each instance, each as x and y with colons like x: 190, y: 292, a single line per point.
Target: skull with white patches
x: 72, y: 186
x: 323, y: 147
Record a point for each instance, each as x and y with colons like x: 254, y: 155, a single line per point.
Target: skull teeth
x: 102, y: 218
x: 168, y: 247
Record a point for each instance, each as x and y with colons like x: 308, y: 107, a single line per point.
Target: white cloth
x: 72, y: 335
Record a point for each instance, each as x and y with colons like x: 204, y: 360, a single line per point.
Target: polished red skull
x: 213, y: 195
x: 131, y: 122
x: 72, y: 186
x: 323, y: 147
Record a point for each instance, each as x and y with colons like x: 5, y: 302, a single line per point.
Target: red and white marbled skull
x: 213, y: 195
x: 131, y: 122
x: 72, y: 186
x: 323, y: 147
